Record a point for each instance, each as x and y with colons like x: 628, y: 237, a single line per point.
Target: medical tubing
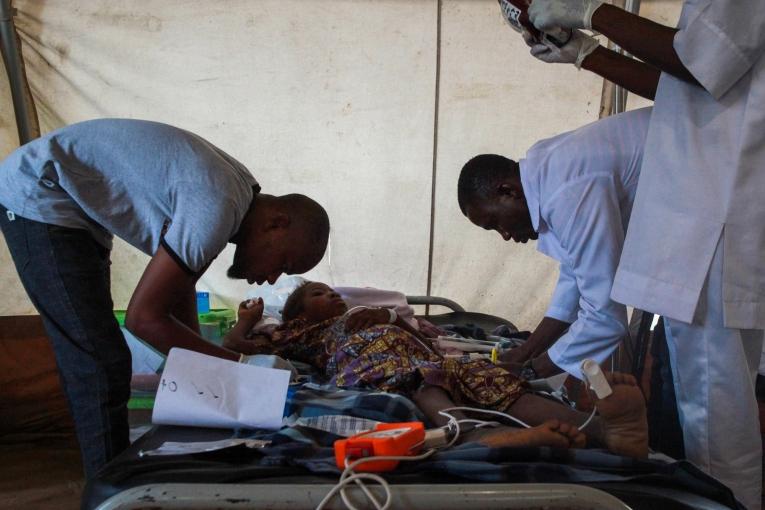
x: 349, y: 475
x: 489, y: 411
x: 516, y: 420
x: 589, y: 419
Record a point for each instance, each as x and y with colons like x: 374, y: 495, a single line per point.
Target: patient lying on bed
x: 362, y: 349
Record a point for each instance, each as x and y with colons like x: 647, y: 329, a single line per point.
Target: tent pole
x: 26, y: 117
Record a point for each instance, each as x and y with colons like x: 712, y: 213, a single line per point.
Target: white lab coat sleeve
x: 564, y: 304
x: 721, y: 42
x: 592, y: 236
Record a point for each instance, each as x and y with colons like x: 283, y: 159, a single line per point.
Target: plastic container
x: 214, y: 324
x: 203, y: 302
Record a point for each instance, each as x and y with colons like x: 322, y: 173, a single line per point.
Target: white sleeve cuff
x: 710, y: 55
x: 562, y: 314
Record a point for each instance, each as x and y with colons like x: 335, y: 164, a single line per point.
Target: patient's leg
x: 431, y: 399
x: 621, y: 425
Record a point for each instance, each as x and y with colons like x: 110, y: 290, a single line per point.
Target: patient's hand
x: 250, y: 311
x: 366, y: 318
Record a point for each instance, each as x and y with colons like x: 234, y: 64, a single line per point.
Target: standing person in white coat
x: 695, y: 250
x: 573, y: 192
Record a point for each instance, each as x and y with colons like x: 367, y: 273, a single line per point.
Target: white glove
x: 270, y: 361
x: 574, y: 52
x: 547, y: 14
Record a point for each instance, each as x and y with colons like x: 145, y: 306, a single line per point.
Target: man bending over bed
x: 370, y: 348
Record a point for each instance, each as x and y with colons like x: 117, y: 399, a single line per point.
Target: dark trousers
x: 66, y: 275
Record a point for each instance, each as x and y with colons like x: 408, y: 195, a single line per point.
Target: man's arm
x: 634, y: 75
x: 186, y: 310
x: 649, y: 41
x: 563, y: 309
x: 166, y: 288
x: 592, y: 235
x: 547, y: 332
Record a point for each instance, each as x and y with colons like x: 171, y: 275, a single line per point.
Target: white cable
x: 354, y: 310
x: 589, y: 419
x: 350, y: 476
x: 357, y: 477
x: 488, y: 411
x: 516, y: 420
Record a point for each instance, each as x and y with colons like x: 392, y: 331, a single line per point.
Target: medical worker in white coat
x: 695, y: 248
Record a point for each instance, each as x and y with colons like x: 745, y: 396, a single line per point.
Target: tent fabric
x: 353, y: 103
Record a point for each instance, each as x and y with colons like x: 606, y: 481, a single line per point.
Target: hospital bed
x: 297, y: 469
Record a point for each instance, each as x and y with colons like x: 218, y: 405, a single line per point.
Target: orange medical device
x: 387, y: 439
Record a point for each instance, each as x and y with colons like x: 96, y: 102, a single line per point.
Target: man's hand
x: 517, y: 355
x: 513, y: 368
x: 366, y: 318
x: 573, y: 52
x: 549, y: 14
x: 255, y: 345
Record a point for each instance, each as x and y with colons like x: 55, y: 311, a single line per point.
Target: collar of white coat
x: 530, y: 183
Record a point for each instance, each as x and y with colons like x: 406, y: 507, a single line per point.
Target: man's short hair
x: 479, y: 176
x: 310, y: 217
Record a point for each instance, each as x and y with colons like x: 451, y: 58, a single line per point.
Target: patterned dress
x: 387, y: 358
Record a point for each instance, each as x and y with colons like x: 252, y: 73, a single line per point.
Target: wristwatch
x: 527, y: 370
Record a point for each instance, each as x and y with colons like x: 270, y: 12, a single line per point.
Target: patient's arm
x: 249, y: 313
x: 373, y: 316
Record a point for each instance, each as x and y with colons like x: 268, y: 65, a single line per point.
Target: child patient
x: 364, y: 349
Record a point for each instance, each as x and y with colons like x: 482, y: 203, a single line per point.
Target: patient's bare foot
x: 623, y: 415
x: 551, y: 433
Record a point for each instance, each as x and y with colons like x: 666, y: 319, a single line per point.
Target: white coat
x: 703, y: 174
x: 579, y: 187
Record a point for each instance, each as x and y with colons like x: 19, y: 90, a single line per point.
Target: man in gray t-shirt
x: 170, y: 194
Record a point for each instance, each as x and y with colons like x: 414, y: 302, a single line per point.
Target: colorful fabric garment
x: 387, y: 358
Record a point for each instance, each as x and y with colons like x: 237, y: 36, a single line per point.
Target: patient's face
x: 507, y: 216
x: 321, y: 303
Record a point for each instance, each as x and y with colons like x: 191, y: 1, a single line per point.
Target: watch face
x: 528, y: 373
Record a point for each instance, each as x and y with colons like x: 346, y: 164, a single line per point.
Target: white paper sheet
x: 175, y: 448
x: 204, y: 391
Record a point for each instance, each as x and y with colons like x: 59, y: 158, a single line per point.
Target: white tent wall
x: 332, y: 98
x: 496, y: 98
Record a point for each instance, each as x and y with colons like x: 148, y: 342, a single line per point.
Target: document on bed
x: 204, y: 391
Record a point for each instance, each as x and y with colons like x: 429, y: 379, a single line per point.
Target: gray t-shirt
x: 134, y: 179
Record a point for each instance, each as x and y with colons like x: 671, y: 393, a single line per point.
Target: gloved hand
x: 574, y: 52
x: 546, y: 14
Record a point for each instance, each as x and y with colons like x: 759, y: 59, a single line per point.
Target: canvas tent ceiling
x: 342, y: 100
